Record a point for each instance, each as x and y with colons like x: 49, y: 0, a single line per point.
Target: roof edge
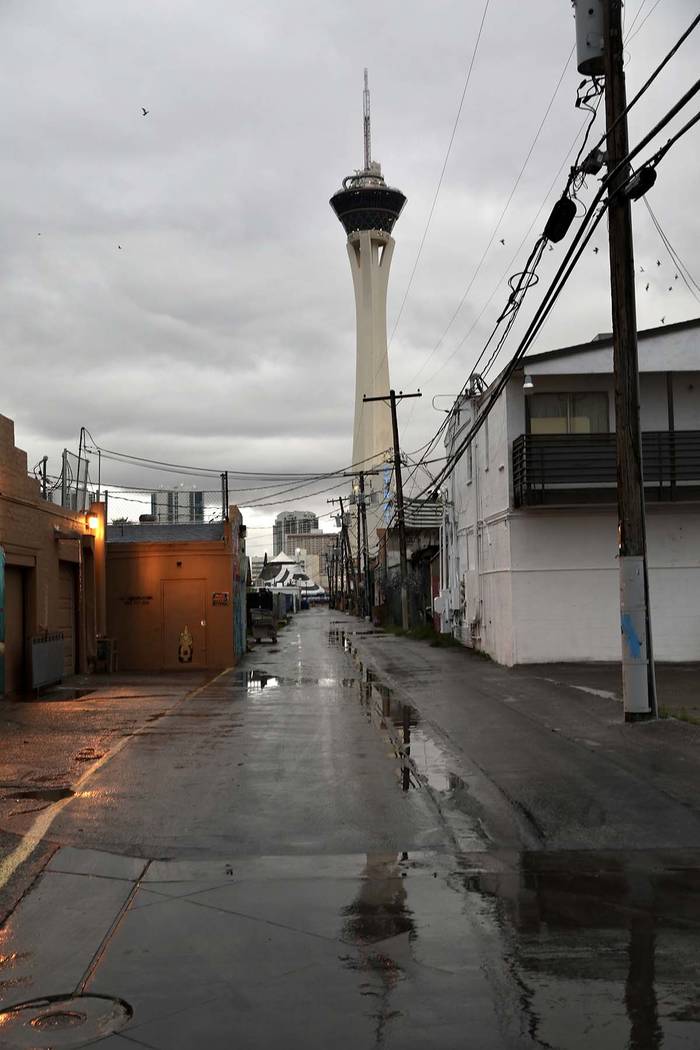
x: 593, y: 344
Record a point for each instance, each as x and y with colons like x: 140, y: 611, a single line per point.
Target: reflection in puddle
x: 257, y: 681
x: 603, y: 947
x: 379, y: 915
x: 422, y: 759
x: 254, y: 681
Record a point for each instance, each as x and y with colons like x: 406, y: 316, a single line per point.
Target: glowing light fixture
x: 528, y: 384
x: 92, y: 522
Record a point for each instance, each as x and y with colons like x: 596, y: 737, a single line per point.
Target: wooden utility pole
x: 363, y: 516
x: 350, y: 567
x: 360, y: 589
x: 638, y: 679
x: 392, y: 397
x: 347, y: 567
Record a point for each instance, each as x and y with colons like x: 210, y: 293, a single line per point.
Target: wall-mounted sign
x: 136, y: 599
x: 220, y: 598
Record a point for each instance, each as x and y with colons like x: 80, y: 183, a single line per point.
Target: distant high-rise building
x: 296, y: 521
x: 178, y: 505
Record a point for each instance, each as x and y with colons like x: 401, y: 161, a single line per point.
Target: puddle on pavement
x: 255, y: 681
x: 610, y: 941
x: 36, y: 794
x: 421, y: 758
x: 576, y: 949
x: 57, y: 694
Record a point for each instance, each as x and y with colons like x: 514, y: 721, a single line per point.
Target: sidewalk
x: 50, y: 742
x: 541, y: 754
x: 677, y: 685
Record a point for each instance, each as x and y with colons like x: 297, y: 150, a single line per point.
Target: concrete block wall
x: 30, y: 531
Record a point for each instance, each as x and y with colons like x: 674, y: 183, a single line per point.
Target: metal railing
x: 582, y: 468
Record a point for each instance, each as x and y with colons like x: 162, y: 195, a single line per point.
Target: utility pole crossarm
x: 387, y: 397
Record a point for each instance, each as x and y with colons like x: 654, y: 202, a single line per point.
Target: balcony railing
x: 582, y: 468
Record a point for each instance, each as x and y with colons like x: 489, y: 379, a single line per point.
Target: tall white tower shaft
x: 368, y: 209
x: 370, y: 253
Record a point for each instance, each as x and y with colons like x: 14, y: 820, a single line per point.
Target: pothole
x: 38, y: 794
x: 62, y: 1022
x: 63, y: 693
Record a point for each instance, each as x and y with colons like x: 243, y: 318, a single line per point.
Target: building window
x: 582, y: 413
x: 470, y: 463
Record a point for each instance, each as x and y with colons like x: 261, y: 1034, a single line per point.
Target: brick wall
x: 37, y: 538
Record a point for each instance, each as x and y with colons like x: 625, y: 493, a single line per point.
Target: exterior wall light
x: 528, y: 384
x: 92, y: 522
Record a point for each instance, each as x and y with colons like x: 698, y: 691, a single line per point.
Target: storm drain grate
x: 62, y: 1022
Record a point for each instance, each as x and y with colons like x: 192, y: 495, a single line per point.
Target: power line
x: 571, y: 183
x: 631, y: 35
x: 688, y: 279
x: 571, y: 258
x: 442, y: 175
x: 208, y: 472
x: 500, y: 219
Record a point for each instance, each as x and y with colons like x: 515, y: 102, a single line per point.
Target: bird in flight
x: 658, y: 262
x: 596, y: 250
x: 675, y: 276
x: 502, y: 241
x: 641, y: 269
x: 119, y: 247
x: 663, y: 320
x: 646, y: 288
x: 145, y: 111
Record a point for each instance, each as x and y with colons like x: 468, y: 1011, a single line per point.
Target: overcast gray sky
x: 221, y: 332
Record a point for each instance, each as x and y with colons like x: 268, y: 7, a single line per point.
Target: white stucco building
x: 529, y: 534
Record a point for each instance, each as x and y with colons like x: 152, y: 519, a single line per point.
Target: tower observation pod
x: 368, y: 210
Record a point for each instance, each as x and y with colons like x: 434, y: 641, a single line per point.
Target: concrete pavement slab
x: 54, y: 933
x: 71, y: 861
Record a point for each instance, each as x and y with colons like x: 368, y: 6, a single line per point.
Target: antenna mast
x: 365, y: 113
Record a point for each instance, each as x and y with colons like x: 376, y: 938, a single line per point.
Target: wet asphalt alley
x: 262, y: 866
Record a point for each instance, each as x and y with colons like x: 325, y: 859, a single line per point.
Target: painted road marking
x: 42, y: 823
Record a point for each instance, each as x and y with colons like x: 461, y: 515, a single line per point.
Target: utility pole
x: 347, y: 568
x: 224, y: 495
x: 350, y: 567
x: 392, y: 397
x: 638, y: 678
x: 360, y: 594
x: 363, y: 516
x: 64, y: 478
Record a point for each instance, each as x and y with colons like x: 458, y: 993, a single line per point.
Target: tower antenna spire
x: 366, y: 124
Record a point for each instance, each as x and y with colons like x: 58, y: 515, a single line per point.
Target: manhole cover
x: 58, y: 1019
x: 62, y: 1022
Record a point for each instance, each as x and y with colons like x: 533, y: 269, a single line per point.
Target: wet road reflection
x: 422, y: 759
x: 606, y: 944
x: 593, y: 948
x: 376, y: 917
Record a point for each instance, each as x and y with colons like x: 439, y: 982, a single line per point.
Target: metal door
x: 15, y: 630
x: 66, y: 614
x: 184, y: 624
